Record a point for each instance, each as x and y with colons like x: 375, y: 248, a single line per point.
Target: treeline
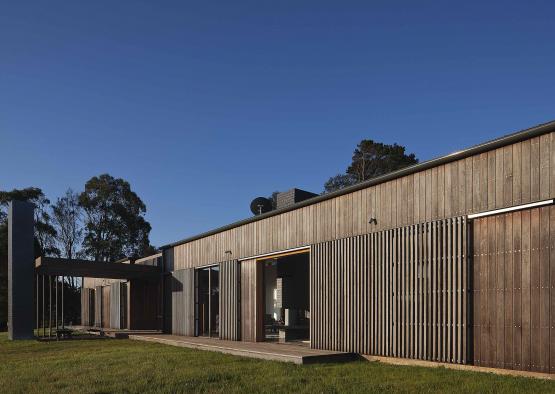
x: 370, y: 159
x: 104, y: 222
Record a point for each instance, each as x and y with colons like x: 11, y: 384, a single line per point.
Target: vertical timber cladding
x: 230, y: 297
x: 98, y: 306
x: 398, y: 293
x: 118, y: 305
x: 183, y: 302
x: 513, y: 287
x: 106, y: 306
x: 87, y: 307
x: 251, y: 301
x: 124, y: 310
x: 84, y: 307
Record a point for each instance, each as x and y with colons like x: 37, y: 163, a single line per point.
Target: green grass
x: 94, y: 366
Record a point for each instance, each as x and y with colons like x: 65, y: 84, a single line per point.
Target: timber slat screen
x: 251, y: 305
x: 183, y: 302
x: 513, y: 288
x: 399, y: 292
x: 118, y: 305
x: 230, y: 294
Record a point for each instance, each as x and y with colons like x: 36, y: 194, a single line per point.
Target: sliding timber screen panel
x: 106, y: 306
x: 183, y: 302
x: 252, y: 308
x: 118, y: 305
x: 87, y: 307
x: 399, y: 292
x: 124, y: 303
x: 98, y: 306
x: 513, y: 290
x: 230, y: 294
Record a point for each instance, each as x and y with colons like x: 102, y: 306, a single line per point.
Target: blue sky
x: 203, y: 106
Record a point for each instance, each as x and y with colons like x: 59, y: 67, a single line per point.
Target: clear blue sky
x: 202, y: 106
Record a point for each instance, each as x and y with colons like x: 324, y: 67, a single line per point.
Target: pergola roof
x: 93, y: 269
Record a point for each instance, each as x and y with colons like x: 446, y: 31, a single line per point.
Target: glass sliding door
x: 215, y: 301
x: 208, y: 301
x: 203, y: 302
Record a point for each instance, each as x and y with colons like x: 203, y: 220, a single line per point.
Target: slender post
x: 63, y: 285
x: 37, y: 303
x: 56, y: 292
x: 49, y: 306
x: 43, y: 315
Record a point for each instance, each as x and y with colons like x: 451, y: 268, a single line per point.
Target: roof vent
x: 291, y: 197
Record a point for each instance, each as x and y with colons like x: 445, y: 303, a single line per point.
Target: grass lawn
x: 91, y: 366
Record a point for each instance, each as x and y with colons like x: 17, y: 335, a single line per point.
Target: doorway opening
x: 207, y: 305
x: 286, y: 298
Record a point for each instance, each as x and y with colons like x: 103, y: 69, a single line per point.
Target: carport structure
x: 104, y: 307
x: 36, y: 286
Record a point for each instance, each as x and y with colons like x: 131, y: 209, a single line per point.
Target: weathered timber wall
x: 513, y: 299
x: 98, y: 306
x: 518, y: 173
x: 251, y: 301
x: 116, y: 306
x: 399, y: 292
x: 87, y: 307
x: 106, y: 306
x: 230, y: 295
x: 182, y: 284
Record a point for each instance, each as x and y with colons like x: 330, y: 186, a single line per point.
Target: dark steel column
x: 43, y: 310
x: 63, y: 284
x: 37, y: 304
x: 56, y: 279
x: 49, y: 306
x: 21, y: 270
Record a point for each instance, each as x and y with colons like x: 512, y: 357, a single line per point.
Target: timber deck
x: 118, y: 333
x: 294, y: 353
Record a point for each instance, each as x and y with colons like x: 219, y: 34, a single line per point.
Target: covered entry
x: 275, y: 303
x: 132, y: 301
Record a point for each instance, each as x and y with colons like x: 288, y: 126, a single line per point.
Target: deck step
x: 262, y: 350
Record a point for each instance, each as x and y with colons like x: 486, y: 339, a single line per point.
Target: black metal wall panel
x: 183, y: 302
x: 20, y: 270
x: 400, y: 292
x: 230, y: 293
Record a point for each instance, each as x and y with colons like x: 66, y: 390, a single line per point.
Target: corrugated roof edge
x: 476, y: 149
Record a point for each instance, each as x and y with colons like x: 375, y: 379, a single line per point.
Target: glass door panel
x: 203, y: 302
x: 214, y: 301
x: 208, y: 301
